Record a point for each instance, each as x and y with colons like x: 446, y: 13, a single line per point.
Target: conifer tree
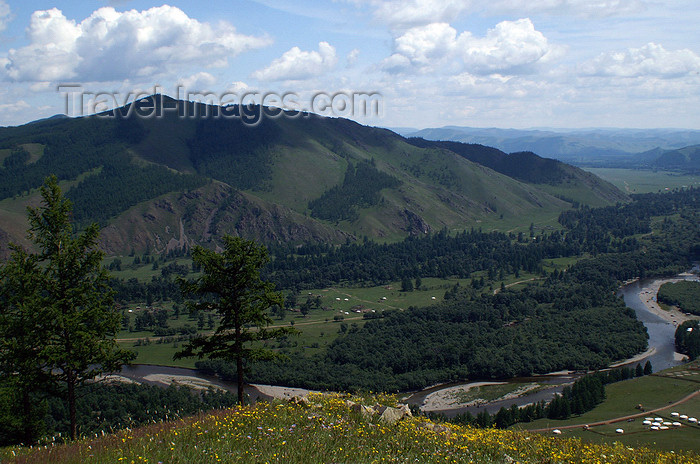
x: 231, y: 286
x: 23, y: 338
x: 75, y: 299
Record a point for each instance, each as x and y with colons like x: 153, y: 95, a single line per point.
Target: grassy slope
x: 13, y: 212
x: 310, y: 155
x: 327, y: 430
x: 312, y: 160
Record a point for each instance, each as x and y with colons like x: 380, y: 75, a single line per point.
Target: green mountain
x: 193, y: 172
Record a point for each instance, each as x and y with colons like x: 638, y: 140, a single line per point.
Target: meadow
x: 327, y: 428
x: 645, y: 181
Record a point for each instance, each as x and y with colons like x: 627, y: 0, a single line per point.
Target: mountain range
x: 629, y: 148
x: 189, y: 175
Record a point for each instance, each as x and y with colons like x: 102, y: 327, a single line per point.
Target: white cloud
x: 352, y: 57
x: 296, y: 64
x: 428, y: 44
x: 407, y: 13
x: 650, y: 60
x: 510, y: 47
x: 200, y: 81
x: 4, y: 15
x: 402, y: 14
x: 111, y: 45
x: 239, y: 87
x: 581, y: 8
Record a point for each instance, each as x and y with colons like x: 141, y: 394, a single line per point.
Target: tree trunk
x: 70, y: 381
x: 239, y: 373
x: 27, y: 419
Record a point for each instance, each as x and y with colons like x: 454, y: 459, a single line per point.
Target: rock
x: 300, y: 400
x: 437, y: 428
x: 391, y: 416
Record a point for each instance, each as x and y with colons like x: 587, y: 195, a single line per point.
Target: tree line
x: 584, y: 395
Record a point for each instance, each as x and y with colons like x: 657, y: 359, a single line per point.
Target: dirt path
x: 623, y: 418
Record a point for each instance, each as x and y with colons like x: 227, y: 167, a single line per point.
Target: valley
x: 402, y: 263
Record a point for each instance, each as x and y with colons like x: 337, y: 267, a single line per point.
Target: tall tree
x: 75, y: 297
x: 230, y: 284
x: 23, y: 338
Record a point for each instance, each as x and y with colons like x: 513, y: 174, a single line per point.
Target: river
x: 661, y: 339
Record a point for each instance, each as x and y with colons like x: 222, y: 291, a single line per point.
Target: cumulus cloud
x: 296, y: 64
x: 111, y: 45
x: 510, y: 47
x: 650, y: 60
x: 199, y: 81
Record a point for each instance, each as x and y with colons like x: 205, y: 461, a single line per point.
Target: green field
x: 652, y: 392
x: 645, y: 181
x: 340, y: 307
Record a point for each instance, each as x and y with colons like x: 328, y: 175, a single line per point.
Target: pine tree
x: 23, y: 338
x: 76, y: 300
x: 230, y: 284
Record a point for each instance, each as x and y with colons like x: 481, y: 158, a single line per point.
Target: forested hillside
x: 295, y: 179
x: 569, y: 320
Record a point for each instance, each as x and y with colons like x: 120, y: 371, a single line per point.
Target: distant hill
x: 197, y: 172
x: 579, y: 146
x: 684, y: 159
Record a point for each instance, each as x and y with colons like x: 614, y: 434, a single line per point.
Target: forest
x: 687, y: 339
x: 567, y: 319
x: 360, y: 189
x: 684, y: 294
x: 113, y: 406
x: 570, y: 320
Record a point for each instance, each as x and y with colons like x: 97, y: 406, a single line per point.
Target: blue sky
x: 501, y: 63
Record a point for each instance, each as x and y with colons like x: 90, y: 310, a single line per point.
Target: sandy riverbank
x: 447, y: 397
x: 648, y: 295
x: 635, y: 359
x: 197, y: 383
x: 194, y: 383
x: 282, y: 393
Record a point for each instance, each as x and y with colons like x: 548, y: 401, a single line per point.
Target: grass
x: 326, y: 429
x: 645, y: 181
x: 319, y: 327
x: 160, y: 354
x: 13, y: 210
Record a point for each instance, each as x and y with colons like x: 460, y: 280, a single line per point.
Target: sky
x: 420, y: 63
